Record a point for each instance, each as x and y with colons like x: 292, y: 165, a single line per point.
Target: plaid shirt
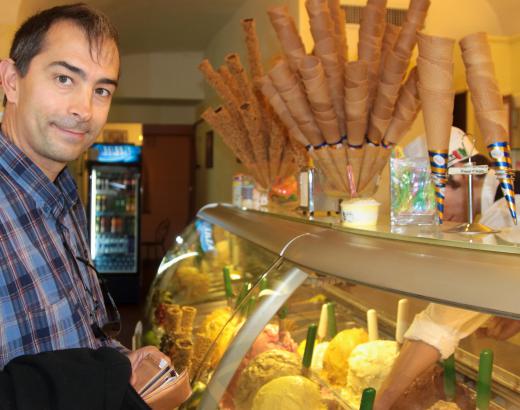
x: 43, y: 303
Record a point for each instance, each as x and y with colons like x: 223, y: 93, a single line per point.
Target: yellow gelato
x: 368, y: 365
x: 289, y: 393
x: 317, y: 355
x: 444, y: 405
x: 335, y: 361
x: 211, y: 327
x: 261, y: 370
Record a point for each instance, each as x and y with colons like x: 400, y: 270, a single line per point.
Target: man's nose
x: 81, y: 105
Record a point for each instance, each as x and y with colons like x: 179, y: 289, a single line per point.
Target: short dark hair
x: 29, y: 39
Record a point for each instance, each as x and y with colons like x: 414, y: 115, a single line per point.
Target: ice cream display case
x: 292, y: 313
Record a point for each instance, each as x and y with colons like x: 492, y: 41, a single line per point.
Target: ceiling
x: 188, y: 25
x: 156, y: 25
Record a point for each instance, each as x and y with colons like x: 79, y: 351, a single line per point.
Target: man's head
x: 58, y: 83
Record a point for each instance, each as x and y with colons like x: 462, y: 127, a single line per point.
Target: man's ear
x: 9, y: 80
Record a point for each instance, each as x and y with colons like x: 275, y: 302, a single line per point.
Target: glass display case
x: 289, y: 278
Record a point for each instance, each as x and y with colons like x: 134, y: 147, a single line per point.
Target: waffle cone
x: 438, y: 116
x: 339, y: 156
x: 356, y: 71
x: 371, y: 153
x: 355, y: 159
x: 435, y: 48
x: 326, y: 164
x: 356, y: 131
x: 397, y: 130
x: 436, y: 77
x: 383, y: 156
x: 493, y: 125
x: 377, y: 127
x: 472, y: 40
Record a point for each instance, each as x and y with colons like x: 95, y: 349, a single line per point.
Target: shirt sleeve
x: 443, y: 327
x: 118, y: 346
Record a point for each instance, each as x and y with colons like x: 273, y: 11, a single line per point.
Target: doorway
x: 168, y: 189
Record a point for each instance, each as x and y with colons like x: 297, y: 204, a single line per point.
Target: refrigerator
x: 114, y: 217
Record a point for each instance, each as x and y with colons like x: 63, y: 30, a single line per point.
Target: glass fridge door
x: 114, y: 218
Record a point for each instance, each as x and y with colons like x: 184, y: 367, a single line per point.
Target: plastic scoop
x: 367, y: 399
x: 323, y: 323
x: 332, y: 330
x: 373, y: 330
x: 243, y: 292
x: 402, y: 320
x: 309, y: 346
x: 485, y: 370
x: 228, y: 289
x: 449, y: 378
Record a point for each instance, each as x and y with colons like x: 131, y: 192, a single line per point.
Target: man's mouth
x: 77, y: 133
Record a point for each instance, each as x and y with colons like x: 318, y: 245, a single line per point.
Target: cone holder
x: 471, y: 227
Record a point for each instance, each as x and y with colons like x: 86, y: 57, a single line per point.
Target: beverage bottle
x: 98, y: 203
x: 113, y: 225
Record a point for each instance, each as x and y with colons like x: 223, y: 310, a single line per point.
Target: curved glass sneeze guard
x: 188, y: 301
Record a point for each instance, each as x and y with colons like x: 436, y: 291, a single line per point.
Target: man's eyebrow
x: 82, y: 73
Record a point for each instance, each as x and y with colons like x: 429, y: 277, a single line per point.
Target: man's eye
x: 103, y: 92
x: 64, y: 79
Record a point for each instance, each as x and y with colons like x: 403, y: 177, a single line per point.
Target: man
x: 436, y: 332
x: 58, y: 82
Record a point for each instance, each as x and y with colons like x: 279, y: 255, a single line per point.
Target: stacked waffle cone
x: 491, y: 114
x: 336, y: 111
x: 406, y: 110
x: 391, y: 72
x: 259, y: 138
x: 435, y: 70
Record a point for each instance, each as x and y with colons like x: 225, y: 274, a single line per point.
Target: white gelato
x: 369, y: 364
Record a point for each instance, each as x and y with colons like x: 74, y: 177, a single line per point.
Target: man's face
x: 455, y: 201
x: 63, y: 101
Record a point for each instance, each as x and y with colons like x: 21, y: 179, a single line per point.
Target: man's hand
x: 136, y: 356
x: 501, y: 328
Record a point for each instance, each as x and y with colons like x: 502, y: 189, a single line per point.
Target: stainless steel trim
x: 482, y: 281
x: 270, y: 233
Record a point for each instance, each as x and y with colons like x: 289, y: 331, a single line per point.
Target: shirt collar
x: 53, y: 197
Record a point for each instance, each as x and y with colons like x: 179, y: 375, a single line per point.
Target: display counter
x: 284, y: 268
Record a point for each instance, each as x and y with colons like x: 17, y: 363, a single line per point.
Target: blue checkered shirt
x: 43, y: 303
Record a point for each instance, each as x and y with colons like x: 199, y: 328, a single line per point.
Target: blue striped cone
x: 439, y: 170
x: 500, y: 153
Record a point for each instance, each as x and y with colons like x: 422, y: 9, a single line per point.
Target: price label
x: 469, y: 170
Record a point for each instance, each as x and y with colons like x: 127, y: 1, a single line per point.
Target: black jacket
x: 74, y: 379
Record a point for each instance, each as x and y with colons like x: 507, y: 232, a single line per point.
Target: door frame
x: 178, y: 130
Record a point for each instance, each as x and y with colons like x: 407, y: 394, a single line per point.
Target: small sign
x: 469, y: 170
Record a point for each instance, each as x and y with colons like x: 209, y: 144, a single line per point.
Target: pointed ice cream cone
x: 500, y: 153
x: 355, y: 158
x: 435, y: 48
x: 371, y: 153
x: 438, y: 116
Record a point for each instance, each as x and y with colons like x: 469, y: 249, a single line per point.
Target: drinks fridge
x: 114, y: 187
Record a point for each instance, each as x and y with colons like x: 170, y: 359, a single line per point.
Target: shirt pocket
x: 59, y: 325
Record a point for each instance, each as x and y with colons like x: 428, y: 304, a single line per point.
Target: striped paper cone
x: 439, y: 170
x: 500, y: 153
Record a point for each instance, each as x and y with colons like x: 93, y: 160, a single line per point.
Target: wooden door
x: 168, y: 179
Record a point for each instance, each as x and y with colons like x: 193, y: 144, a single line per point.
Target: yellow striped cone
x: 500, y: 153
x: 439, y: 170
